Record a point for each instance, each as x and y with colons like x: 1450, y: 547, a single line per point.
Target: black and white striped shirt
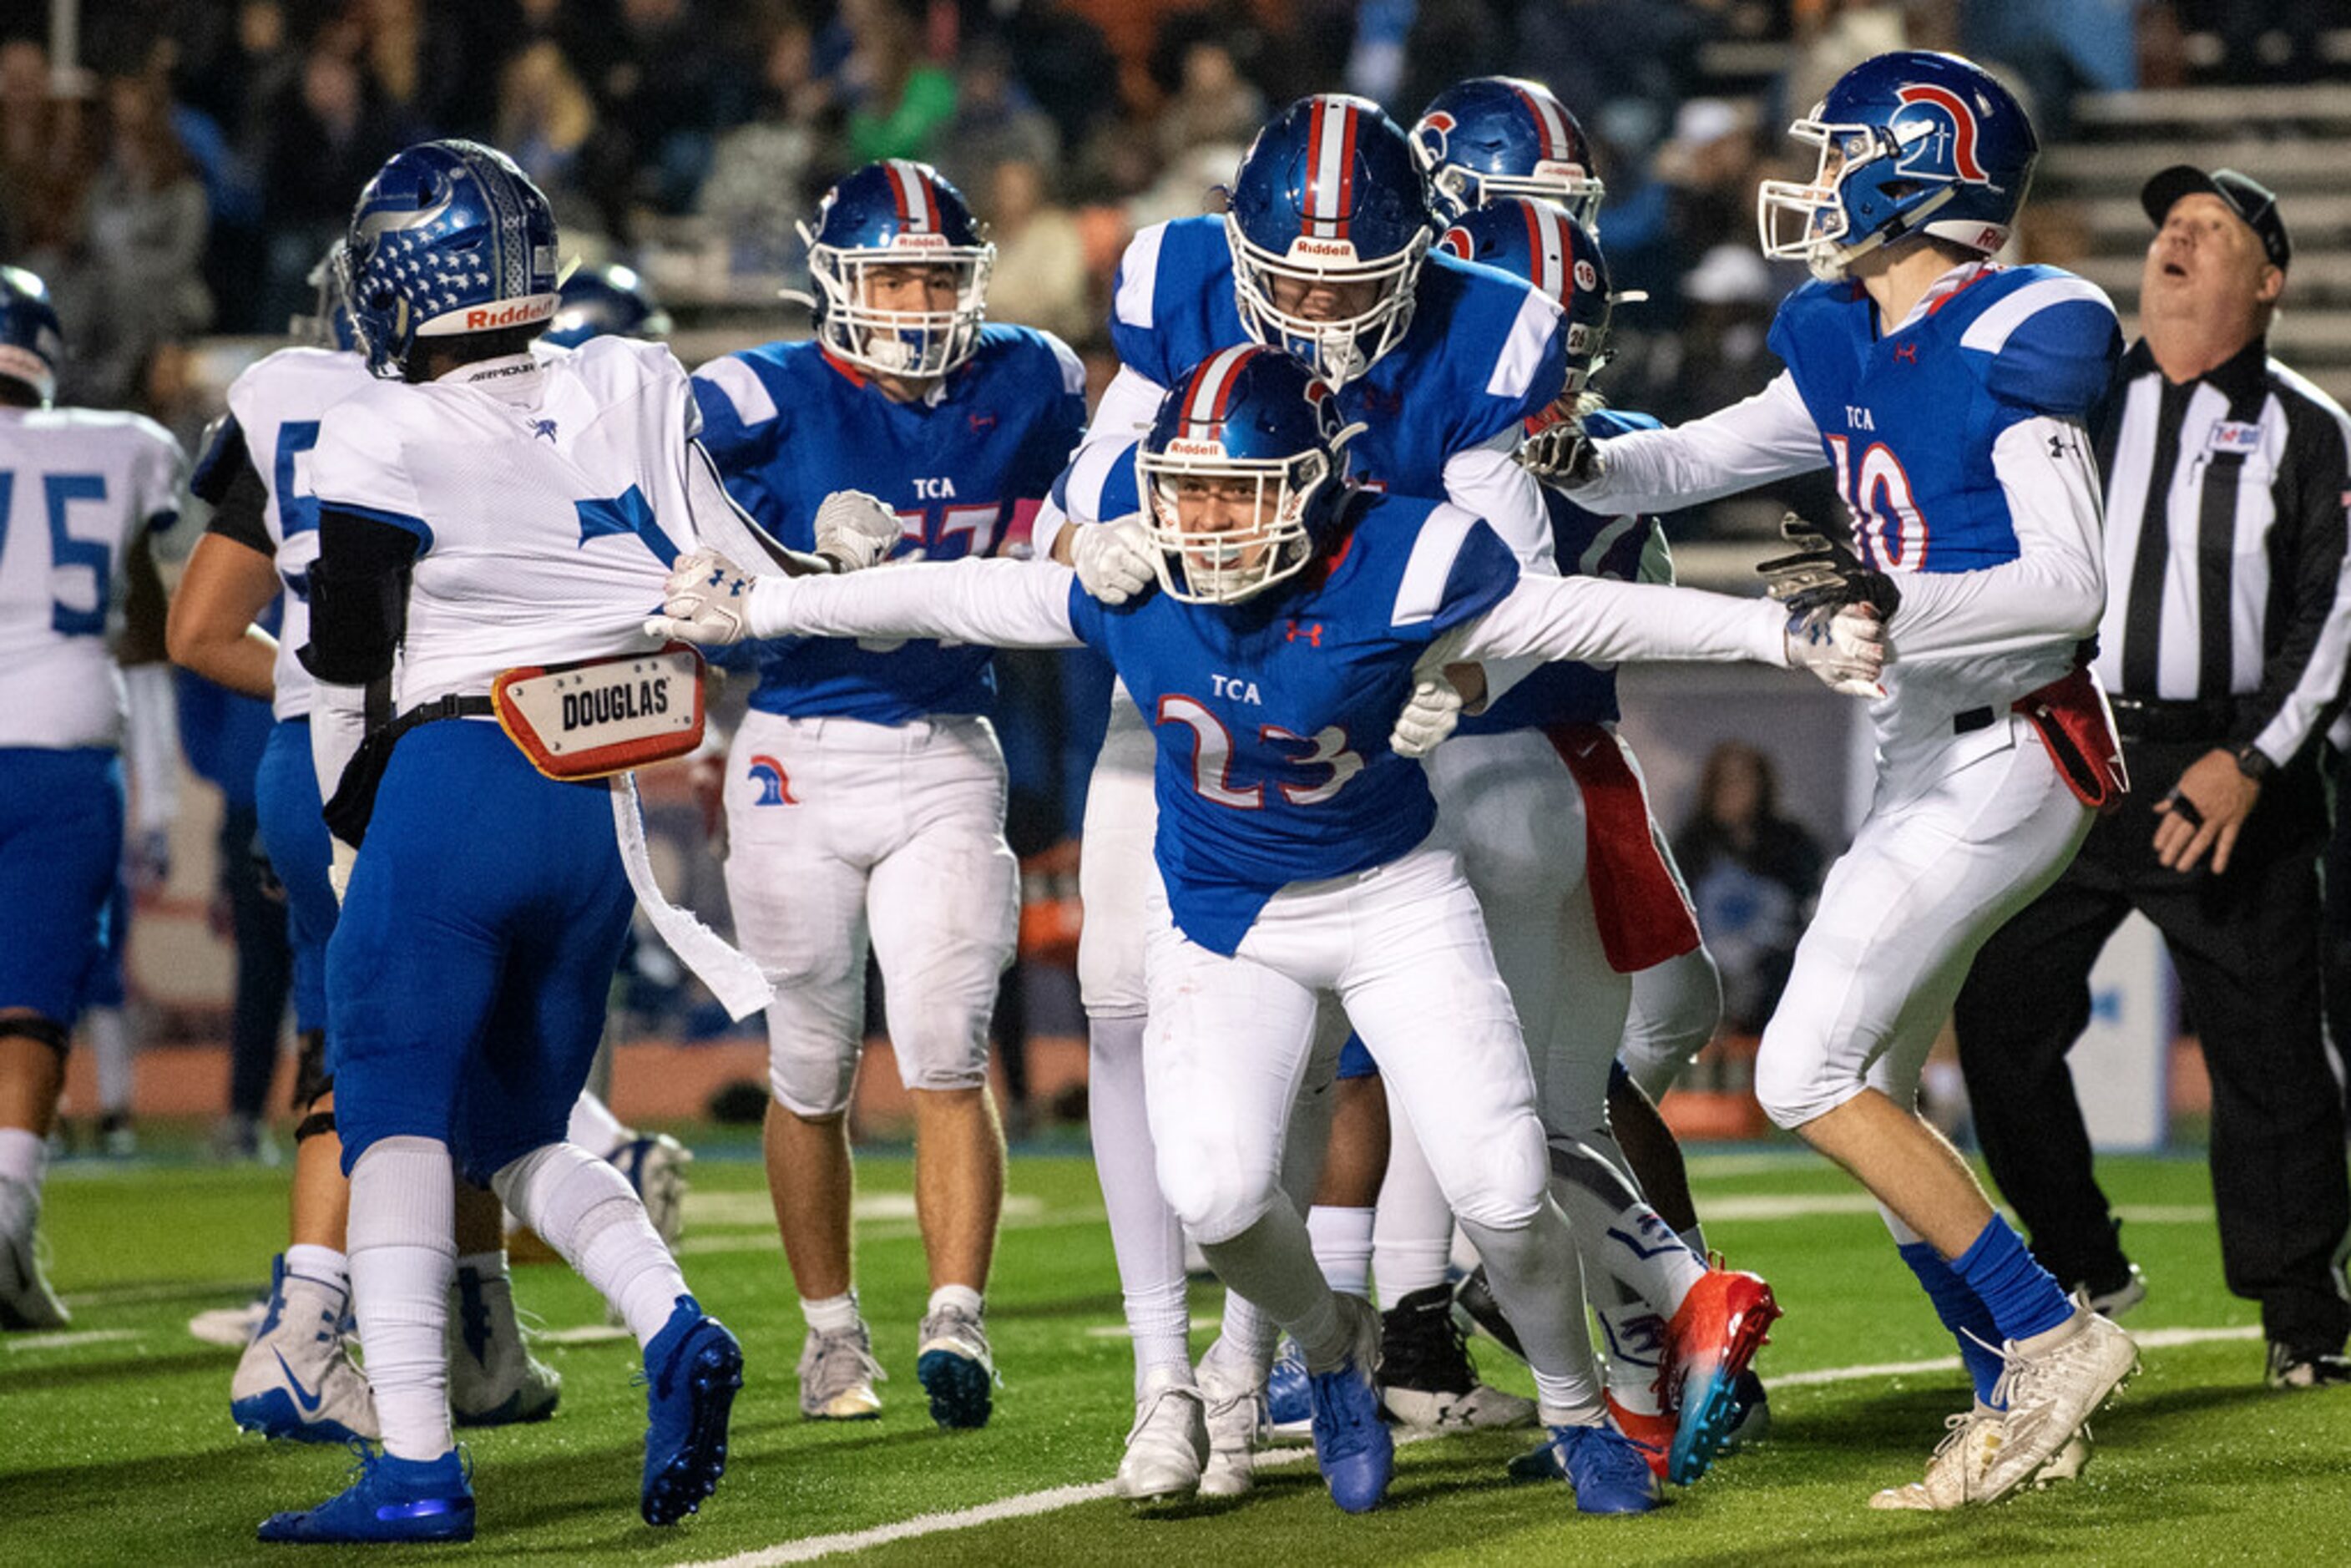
x: 2225, y: 537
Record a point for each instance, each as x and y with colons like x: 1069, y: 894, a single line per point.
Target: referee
x: 2223, y: 645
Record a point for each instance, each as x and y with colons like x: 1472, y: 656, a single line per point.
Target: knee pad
x: 39, y: 1029
x: 809, y: 1087
x: 1792, y: 1085
x: 1218, y: 1204
x: 1508, y: 1181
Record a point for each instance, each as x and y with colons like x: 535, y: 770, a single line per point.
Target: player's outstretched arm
x: 1766, y: 437
x: 996, y: 603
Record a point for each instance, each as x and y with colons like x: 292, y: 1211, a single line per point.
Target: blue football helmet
x: 1910, y: 143
x: 1536, y: 241
x: 32, y: 341
x: 897, y: 214
x: 450, y: 238
x: 1331, y: 192
x: 1505, y: 136
x: 329, y: 325
x: 598, y: 300
x: 1261, y: 426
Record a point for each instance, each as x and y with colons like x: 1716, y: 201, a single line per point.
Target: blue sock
x: 1962, y: 1311
x: 2024, y: 1298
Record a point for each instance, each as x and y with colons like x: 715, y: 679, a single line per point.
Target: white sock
x: 1617, y: 1233
x: 323, y: 1265
x: 587, y: 1212
x: 110, y: 1042
x: 832, y: 1314
x: 1412, y: 1244
x: 1249, y: 1334
x: 1538, y: 1285
x: 1342, y: 1248
x: 404, y: 1203
x: 24, y: 1158
x: 961, y: 1297
x: 594, y: 1127
x: 1636, y: 1339
x: 1144, y: 1233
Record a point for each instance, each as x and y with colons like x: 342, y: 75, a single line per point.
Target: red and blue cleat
x: 1714, y: 1334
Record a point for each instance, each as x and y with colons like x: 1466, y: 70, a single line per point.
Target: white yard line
x: 809, y: 1549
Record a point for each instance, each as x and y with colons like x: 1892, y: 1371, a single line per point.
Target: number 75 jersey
x: 77, y: 485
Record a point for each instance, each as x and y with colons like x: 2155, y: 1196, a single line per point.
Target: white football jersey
x: 77, y: 487
x: 279, y: 404
x: 548, y: 494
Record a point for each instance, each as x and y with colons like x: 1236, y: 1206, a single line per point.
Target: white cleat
x: 1167, y: 1446
x: 1236, y: 1405
x: 27, y: 1302
x: 494, y: 1380
x: 1960, y: 1471
x: 837, y: 1373
x: 296, y: 1382
x: 655, y: 1165
x: 2050, y: 1393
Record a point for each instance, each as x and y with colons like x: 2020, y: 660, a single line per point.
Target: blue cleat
x: 692, y: 1370
x: 392, y: 1501
x: 957, y: 1370
x: 1609, y: 1471
x: 1288, y: 1413
x: 1351, y: 1446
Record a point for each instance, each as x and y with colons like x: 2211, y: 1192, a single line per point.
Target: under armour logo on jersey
x: 543, y: 427
x: 2058, y: 446
x: 775, y: 784
x: 980, y: 421
x: 1907, y: 353
x: 1311, y: 632
x: 628, y: 513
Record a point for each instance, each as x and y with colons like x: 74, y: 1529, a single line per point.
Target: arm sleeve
x: 998, y: 604
x: 225, y: 451
x: 359, y: 598
x: 240, y: 511
x: 2301, y: 677
x: 2056, y: 586
x: 1601, y: 622
x: 1766, y: 437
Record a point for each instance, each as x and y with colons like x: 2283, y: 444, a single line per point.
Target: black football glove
x: 1823, y: 576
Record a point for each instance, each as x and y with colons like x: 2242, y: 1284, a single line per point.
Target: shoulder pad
x: 2047, y: 340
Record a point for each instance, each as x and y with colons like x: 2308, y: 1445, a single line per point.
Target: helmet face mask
x: 328, y: 325
x: 1493, y: 137
x: 884, y: 219
x: 1330, y: 197
x: 1909, y: 143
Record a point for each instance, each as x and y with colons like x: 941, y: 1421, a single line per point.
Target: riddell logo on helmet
x: 513, y: 313
x: 920, y: 241
x: 1323, y: 249
x: 1556, y: 169
x: 1183, y: 446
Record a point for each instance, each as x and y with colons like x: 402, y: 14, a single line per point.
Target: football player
x: 865, y: 792
x: 1489, y: 137
x: 485, y: 512
x: 1945, y: 393
x: 85, y: 489
x: 1293, y: 844
x: 1325, y: 252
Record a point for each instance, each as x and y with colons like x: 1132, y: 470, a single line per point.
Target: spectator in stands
x: 1212, y: 103
x: 995, y: 122
x: 544, y: 120
x: 669, y: 89
x: 1754, y: 875
x: 1040, y: 279
x: 331, y: 131
x: 899, y: 102
x: 144, y: 245
x: 45, y: 161
x: 761, y: 173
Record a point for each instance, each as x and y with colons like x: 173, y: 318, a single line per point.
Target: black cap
x: 2247, y: 197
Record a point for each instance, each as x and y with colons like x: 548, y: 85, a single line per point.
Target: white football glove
x: 1428, y: 718
x: 854, y: 530
x: 1115, y: 561
x: 1847, y: 650
x: 708, y: 601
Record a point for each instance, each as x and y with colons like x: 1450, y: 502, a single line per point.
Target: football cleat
x: 1651, y: 1432
x: 1167, y: 1446
x: 1351, y: 1446
x: 836, y: 1373
x: 2114, y: 1298
x: 231, y: 1327
x: 392, y: 1500
x: 27, y: 1302
x: 1609, y: 1472
x: 296, y: 1382
x: 1959, y: 1473
x: 1235, y: 1411
x: 1714, y: 1334
x: 2290, y: 1368
x: 1288, y: 1413
x: 1426, y: 1377
x: 494, y: 1380
x: 1476, y: 1311
x: 1751, y: 1421
x: 2049, y: 1395
x: 692, y: 1369
x: 655, y: 1165
x: 955, y: 1369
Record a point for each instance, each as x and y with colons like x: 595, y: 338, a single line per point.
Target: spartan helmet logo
x: 1937, y: 127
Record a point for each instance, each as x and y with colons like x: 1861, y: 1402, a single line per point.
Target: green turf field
x: 116, y: 1445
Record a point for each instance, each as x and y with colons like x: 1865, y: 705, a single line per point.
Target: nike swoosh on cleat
x: 308, y: 1401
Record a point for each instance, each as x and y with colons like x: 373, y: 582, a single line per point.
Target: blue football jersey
x: 1585, y: 543
x: 1272, y: 716
x: 1483, y: 354
x: 788, y: 424
x: 1909, y: 419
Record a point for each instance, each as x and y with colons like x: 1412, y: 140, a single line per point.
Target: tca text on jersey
x: 1234, y: 689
